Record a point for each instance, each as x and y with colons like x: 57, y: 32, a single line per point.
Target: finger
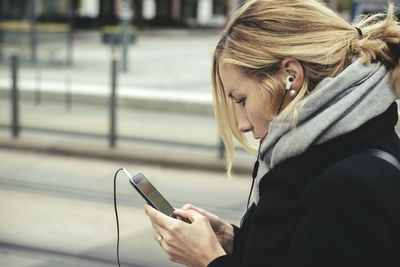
x: 148, y: 208
x: 157, y: 217
x: 188, y: 207
x: 181, y: 215
x: 161, y: 223
x: 191, y: 207
x: 160, y: 241
x: 191, y: 215
x: 160, y: 238
x: 157, y: 235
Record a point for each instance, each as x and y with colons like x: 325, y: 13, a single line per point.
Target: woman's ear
x: 292, y: 67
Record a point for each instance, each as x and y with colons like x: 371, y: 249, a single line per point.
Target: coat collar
x: 298, y: 171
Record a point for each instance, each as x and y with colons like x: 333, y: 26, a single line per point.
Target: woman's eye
x: 241, y: 101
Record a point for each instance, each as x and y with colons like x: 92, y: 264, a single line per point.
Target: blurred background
x: 89, y: 86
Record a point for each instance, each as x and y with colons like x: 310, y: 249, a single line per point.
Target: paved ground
x: 57, y: 210
x: 164, y: 65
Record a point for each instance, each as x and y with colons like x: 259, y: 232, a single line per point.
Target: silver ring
x: 159, y: 239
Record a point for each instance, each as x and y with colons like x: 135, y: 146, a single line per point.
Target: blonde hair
x: 264, y: 32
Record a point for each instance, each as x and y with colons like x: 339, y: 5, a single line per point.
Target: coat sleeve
x: 224, y: 261
x: 228, y: 260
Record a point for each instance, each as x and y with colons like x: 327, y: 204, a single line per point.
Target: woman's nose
x: 244, y: 127
x: 244, y: 124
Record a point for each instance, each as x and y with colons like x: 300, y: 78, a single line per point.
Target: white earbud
x: 289, y: 82
x: 292, y: 93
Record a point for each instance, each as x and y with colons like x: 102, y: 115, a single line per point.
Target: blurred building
x: 34, y: 27
x: 93, y: 13
x: 184, y: 12
x: 170, y: 12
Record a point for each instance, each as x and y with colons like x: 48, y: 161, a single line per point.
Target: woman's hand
x: 223, y: 230
x: 191, y: 244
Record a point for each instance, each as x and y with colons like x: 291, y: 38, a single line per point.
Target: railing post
x: 113, y: 102
x: 14, y: 96
x: 221, y: 149
x: 126, y: 16
x: 1, y: 34
x: 1, y: 44
x: 33, y: 32
x: 38, y: 90
x: 70, y: 33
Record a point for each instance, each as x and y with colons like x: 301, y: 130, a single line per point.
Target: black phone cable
x: 116, y: 212
x: 255, y: 172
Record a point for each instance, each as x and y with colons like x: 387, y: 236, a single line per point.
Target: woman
x: 317, y: 92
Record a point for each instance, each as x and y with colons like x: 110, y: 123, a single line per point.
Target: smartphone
x: 150, y: 193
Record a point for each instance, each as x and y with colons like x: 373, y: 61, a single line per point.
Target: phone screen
x: 151, y: 194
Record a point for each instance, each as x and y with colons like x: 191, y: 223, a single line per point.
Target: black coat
x: 325, y: 208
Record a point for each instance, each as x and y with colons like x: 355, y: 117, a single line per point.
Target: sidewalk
x: 167, y: 71
x: 58, y: 210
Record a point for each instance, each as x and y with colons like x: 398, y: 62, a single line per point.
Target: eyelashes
x: 241, y: 101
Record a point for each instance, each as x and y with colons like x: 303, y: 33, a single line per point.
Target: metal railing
x: 14, y: 96
x: 112, y: 135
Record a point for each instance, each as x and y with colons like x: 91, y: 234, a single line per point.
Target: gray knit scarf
x: 336, y: 107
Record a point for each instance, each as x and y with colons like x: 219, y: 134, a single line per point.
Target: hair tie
x: 360, y: 34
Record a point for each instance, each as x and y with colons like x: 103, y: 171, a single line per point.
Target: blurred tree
x: 14, y: 9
